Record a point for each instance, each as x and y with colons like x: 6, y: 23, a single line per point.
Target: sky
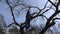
x: 5, y: 11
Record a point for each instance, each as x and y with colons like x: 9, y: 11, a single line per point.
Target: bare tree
x: 50, y: 21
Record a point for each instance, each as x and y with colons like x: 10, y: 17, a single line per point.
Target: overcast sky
x: 5, y: 11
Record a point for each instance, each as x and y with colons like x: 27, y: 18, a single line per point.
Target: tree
x: 50, y: 21
x: 2, y: 24
x: 13, y: 30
